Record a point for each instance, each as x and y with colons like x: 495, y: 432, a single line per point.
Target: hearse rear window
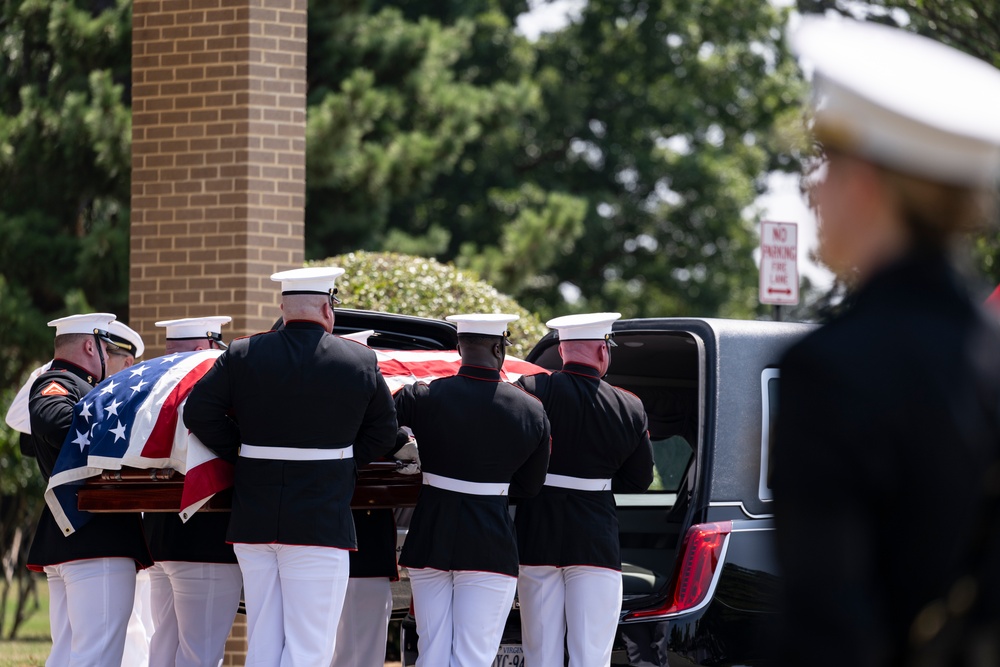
x: 661, y: 368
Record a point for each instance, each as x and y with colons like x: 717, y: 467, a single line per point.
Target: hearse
x: 698, y: 565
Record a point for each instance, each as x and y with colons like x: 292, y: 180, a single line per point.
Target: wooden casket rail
x: 379, y: 486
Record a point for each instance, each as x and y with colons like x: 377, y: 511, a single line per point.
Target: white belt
x: 461, y: 486
x: 577, y: 483
x: 296, y: 453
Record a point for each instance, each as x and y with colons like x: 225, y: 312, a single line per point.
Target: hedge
x: 409, y: 285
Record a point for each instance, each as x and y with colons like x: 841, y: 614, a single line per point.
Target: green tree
x: 21, y: 490
x: 65, y: 129
x: 391, y: 112
x: 620, y: 154
x: 668, y: 114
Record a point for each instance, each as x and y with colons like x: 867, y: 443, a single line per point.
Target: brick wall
x: 218, y: 166
x: 218, y: 159
x: 236, y: 644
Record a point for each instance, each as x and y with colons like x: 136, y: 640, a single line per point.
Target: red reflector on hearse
x: 699, y: 559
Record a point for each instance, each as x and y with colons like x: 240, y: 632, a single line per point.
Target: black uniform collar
x: 304, y: 324
x: 921, y: 274
x: 69, y: 366
x: 582, y: 369
x: 479, y: 373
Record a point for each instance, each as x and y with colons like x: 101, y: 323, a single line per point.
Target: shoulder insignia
x: 54, y: 389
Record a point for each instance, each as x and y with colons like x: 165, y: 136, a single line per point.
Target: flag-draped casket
x: 132, y: 420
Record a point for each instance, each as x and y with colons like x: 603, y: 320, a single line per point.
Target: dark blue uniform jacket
x: 300, y: 387
x: 105, y: 535
x: 475, y: 428
x: 598, y: 432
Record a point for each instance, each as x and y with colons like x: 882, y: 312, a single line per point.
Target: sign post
x: 779, y: 266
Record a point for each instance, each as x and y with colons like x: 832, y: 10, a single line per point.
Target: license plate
x: 509, y: 655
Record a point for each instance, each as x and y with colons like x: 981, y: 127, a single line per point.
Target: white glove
x: 408, y: 458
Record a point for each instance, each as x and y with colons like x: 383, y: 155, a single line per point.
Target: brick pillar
x: 218, y: 166
x: 218, y: 159
x: 236, y: 644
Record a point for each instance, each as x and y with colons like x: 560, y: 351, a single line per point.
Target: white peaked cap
x: 129, y: 335
x: 311, y: 280
x: 484, y: 324
x: 586, y: 326
x: 82, y: 324
x: 190, y: 328
x: 359, y: 336
x: 904, y: 101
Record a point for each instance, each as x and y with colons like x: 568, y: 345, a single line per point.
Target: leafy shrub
x: 409, y: 285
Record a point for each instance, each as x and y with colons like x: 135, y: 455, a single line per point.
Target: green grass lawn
x: 33, y: 643
x: 24, y: 652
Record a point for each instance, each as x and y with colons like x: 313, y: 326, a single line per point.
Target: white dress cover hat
x: 311, y: 280
x: 85, y: 323
x: 484, y: 324
x: 903, y: 101
x: 195, y: 328
x: 126, y: 338
x: 585, y: 326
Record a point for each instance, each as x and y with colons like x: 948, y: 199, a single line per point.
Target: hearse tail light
x: 701, y: 552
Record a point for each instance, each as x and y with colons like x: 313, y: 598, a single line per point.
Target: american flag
x: 133, y: 419
x: 400, y: 368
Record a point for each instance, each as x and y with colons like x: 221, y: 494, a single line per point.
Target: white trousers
x: 194, y: 605
x: 364, y: 624
x: 140, y: 625
x: 579, y: 602
x: 460, y: 616
x: 90, y: 602
x: 294, y: 596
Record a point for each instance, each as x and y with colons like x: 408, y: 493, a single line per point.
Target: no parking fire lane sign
x: 779, y: 266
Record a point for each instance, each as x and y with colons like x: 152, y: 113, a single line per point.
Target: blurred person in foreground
x: 887, y: 442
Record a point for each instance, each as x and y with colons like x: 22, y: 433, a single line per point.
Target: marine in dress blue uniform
x: 570, y: 581
x: 296, y: 411
x: 126, y: 346
x: 481, y: 441
x: 196, y: 583
x: 91, y: 572
x: 899, y: 391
